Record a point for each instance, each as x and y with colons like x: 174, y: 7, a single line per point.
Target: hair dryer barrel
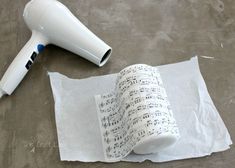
x: 75, y: 37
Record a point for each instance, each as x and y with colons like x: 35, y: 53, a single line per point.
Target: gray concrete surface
x: 155, y: 32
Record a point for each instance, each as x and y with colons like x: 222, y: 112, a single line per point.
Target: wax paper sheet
x: 201, y: 128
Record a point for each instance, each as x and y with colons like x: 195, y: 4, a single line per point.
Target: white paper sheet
x: 201, y: 128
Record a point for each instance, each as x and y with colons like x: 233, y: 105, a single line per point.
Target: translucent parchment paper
x: 201, y: 128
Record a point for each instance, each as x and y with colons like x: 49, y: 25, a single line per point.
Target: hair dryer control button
x: 40, y: 47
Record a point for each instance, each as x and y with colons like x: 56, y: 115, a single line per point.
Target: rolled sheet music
x: 137, y: 115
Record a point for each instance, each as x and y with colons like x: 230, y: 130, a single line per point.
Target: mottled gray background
x: 155, y: 32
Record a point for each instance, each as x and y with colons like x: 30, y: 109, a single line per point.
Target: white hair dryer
x: 52, y: 23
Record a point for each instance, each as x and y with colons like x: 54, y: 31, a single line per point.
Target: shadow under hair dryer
x: 52, y: 23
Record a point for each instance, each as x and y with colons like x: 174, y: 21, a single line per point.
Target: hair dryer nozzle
x: 105, y: 57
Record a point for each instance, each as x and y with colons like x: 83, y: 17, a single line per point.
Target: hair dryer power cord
x: 1, y: 93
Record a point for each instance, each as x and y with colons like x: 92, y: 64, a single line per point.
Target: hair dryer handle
x: 22, y: 63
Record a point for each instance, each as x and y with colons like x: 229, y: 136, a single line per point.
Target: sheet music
x: 137, y: 109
